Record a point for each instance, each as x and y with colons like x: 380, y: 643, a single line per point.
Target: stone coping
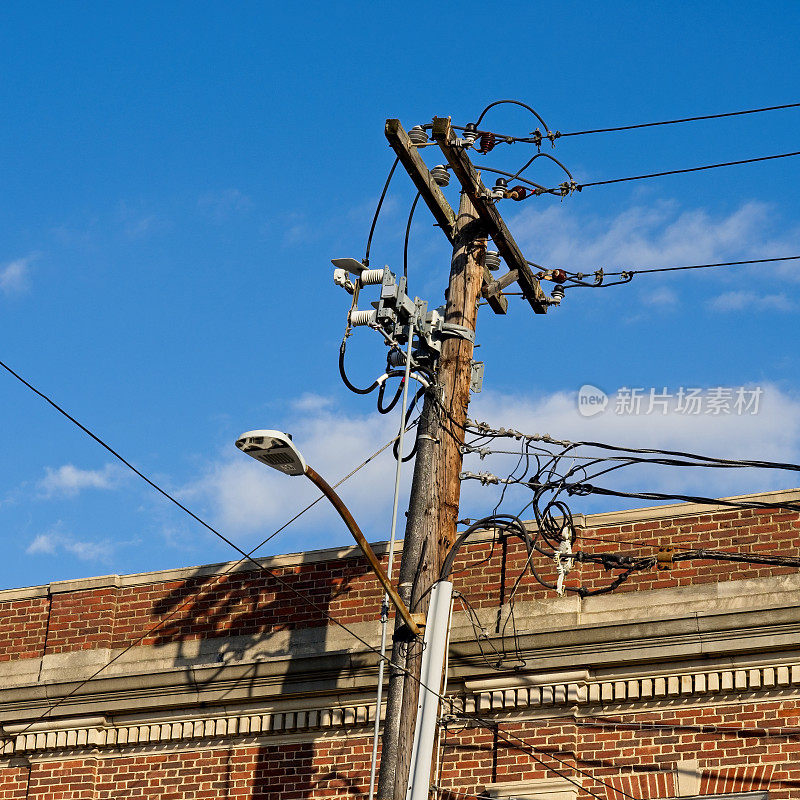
x: 600, y: 520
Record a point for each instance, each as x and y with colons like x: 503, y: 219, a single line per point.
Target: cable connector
x: 664, y: 558
x: 567, y: 188
x: 485, y: 478
x: 481, y: 451
x: 564, y: 559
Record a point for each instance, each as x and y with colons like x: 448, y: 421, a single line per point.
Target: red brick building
x: 218, y: 682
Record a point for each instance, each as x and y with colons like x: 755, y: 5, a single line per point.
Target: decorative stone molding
x: 102, y: 734
x: 506, y: 696
x: 542, y: 695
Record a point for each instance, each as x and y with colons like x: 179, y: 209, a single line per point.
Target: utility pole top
x: 436, y: 201
x: 519, y: 269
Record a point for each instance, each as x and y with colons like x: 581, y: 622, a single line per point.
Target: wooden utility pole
x: 433, y: 508
x: 436, y: 487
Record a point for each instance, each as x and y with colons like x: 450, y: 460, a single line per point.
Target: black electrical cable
x: 382, y: 409
x: 343, y: 373
x: 494, y: 171
x: 511, y: 102
x: 484, y: 430
x: 745, y: 558
x: 505, y: 522
x: 580, y: 186
x: 396, y: 446
x: 638, y: 271
x: 532, y: 750
x: 582, y: 489
x: 677, y: 121
x: 408, y: 231
x: 540, y: 155
x: 506, y: 734
x: 378, y: 210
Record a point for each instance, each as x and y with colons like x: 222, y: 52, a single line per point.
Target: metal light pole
x: 276, y: 450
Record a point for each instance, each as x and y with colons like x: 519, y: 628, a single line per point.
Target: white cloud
x: 660, y: 235
x: 14, y: 276
x: 55, y: 542
x: 70, y: 480
x: 244, y: 497
x: 771, y: 434
x: 741, y: 300
x: 660, y: 298
x: 310, y: 402
x: 224, y: 204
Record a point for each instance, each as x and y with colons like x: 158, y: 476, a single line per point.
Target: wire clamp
x: 664, y: 558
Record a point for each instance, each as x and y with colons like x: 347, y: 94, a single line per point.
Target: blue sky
x: 177, y: 176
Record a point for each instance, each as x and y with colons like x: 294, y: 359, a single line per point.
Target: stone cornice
x: 586, y: 696
x: 615, y: 639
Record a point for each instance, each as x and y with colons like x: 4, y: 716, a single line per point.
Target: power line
x: 576, y: 280
x: 245, y: 556
x: 755, y: 732
x: 581, y: 186
x: 378, y: 210
x: 678, y: 121
x: 504, y: 734
x: 639, y: 271
x: 531, y: 751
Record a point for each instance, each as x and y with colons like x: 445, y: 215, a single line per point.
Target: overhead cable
x: 678, y: 121
x: 581, y: 186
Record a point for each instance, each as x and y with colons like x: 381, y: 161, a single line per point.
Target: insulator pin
x: 360, y: 318
x: 487, y: 142
x: 371, y: 277
x: 440, y: 175
x: 470, y: 133
x: 417, y: 135
x: 492, y: 260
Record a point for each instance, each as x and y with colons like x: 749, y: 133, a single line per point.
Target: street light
x: 276, y: 450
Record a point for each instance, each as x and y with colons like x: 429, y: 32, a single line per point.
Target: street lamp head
x: 273, y: 448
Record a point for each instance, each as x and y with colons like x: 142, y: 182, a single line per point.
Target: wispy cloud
x: 310, y: 402
x: 69, y: 480
x: 138, y: 221
x: 660, y: 235
x: 771, y: 434
x: 661, y: 297
x: 15, y: 275
x: 741, y: 300
x: 224, y: 204
x: 56, y: 542
x: 247, y: 499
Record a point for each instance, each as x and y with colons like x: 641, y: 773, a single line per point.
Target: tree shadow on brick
x: 245, y: 636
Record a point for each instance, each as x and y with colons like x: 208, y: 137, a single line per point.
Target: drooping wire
x: 581, y: 186
x: 511, y: 102
x: 408, y: 231
x: 343, y: 373
x: 678, y: 121
x: 245, y: 557
x: 378, y: 210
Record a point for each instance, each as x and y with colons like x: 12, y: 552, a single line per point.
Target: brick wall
x: 251, y: 603
x: 746, y: 741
